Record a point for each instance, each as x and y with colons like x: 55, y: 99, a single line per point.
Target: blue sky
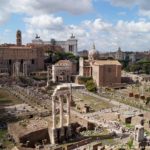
x: 107, y: 23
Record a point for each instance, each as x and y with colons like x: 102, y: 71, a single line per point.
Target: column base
x: 60, y: 135
x: 53, y: 136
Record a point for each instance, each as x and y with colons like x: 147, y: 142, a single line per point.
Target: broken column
x: 139, y: 133
x: 16, y: 69
x: 48, y: 76
x: 25, y: 68
x: 138, y: 136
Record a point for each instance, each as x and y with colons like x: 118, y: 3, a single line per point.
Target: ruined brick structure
x: 103, y: 72
x: 33, y: 58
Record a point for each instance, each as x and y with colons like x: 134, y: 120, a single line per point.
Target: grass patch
x: 7, y: 144
x: 2, y: 133
x: 147, y: 132
x: 129, y: 126
x: 93, y: 133
x: 109, y: 142
x: 6, y: 98
x: 93, y: 102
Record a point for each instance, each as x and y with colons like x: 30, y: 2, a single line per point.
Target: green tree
x: 91, y: 86
x: 83, y: 80
x: 146, y: 68
x: 135, y: 68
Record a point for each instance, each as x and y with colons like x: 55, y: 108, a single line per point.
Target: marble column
x: 25, y: 68
x: 61, y: 111
x: 48, y: 76
x: 53, y: 112
x: 68, y: 109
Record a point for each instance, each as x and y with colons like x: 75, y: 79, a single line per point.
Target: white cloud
x: 144, y: 5
x: 123, y: 3
x: 129, y: 35
x: 4, y: 11
x: 44, y: 22
x: 38, y: 7
x: 133, y: 26
x: 51, y: 6
x: 97, y: 25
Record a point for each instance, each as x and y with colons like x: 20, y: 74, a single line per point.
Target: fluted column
x: 68, y: 109
x: 53, y: 112
x: 61, y: 111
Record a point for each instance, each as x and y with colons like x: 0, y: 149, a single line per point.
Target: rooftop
x: 63, y: 63
x: 107, y: 62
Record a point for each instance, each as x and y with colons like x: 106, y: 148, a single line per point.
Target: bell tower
x: 18, y: 38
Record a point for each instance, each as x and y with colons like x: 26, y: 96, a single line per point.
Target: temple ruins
x: 63, y: 132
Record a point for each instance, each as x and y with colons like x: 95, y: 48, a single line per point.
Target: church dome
x: 93, y: 54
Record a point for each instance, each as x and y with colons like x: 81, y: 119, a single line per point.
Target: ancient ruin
x: 16, y: 69
x: 48, y: 75
x: 63, y: 132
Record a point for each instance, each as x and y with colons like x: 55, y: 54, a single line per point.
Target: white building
x: 70, y: 45
x: 119, y: 55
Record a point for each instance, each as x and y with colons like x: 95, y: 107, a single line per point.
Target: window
x: 70, y: 48
x: 21, y: 61
x: 10, y: 61
x: 33, y: 61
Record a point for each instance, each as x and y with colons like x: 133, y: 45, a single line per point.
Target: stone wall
x: 83, y: 122
x: 9, y: 55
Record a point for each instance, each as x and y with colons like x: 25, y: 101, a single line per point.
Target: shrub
x: 83, y: 80
x: 91, y: 86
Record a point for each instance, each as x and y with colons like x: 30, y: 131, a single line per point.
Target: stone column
x: 17, y: 68
x: 53, y: 112
x: 139, y: 133
x: 53, y: 133
x: 61, y: 111
x: 48, y: 76
x: 13, y: 69
x: 53, y: 74
x: 25, y: 68
x: 68, y: 109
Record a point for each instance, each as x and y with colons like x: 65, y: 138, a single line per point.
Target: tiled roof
x: 107, y: 62
x: 63, y: 63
